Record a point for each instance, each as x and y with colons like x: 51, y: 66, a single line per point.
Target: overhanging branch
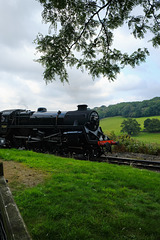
x: 85, y: 26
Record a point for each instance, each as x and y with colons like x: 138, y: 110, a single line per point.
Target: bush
x: 128, y: 144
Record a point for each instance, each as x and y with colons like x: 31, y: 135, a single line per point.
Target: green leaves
x: 131, y: 126
x: 152, y: 125
x: 87, y: 27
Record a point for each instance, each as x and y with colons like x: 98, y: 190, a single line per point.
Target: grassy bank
x: 88, y: 200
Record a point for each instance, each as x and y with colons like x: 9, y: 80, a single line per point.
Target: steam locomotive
x: 56, y: 132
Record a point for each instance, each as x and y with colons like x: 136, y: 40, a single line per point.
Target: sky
x: 21, y: 78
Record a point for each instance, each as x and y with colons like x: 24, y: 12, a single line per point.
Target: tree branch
x: 85, y: 26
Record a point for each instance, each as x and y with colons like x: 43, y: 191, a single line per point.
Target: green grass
x: 111, y: 124
x: 148, y: 137
x: 114, y: 124
x: 88, y: 200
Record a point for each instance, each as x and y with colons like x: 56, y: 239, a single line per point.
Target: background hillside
x: 145, y: 108
x: 113, y: 124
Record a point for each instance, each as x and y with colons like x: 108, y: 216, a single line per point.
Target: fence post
x: 11, y: 222
x: 1, y: 169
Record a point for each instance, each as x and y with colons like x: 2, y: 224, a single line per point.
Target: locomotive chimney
x: 42, y: 109
x: 82, y: 107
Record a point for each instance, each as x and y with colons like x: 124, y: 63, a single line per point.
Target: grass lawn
x: 114, y: 124
x: 148, y: 137
x: 111, y: 124
x: 84, y: 200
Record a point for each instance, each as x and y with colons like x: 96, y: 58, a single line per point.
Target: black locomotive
x: 62, y: 132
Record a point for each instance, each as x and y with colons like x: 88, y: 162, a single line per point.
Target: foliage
x: 145, y: 108
x: 128, y: 144
x: 152, y: 125
x: 88, y: 200
x: 113, y: 124
x: 130, y: 126
x: 87, y: 27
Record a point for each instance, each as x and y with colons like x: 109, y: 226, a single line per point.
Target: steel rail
x: 140, y: 163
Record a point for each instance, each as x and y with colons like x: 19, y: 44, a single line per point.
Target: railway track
x: 139, y: 163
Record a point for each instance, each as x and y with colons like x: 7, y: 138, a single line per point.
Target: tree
x: 152, y: 125
x: 130, y: 126
x: 87, y: 27
x: 126, y: 110
x: 147, y: 122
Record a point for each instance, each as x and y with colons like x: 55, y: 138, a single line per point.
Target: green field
x: 87, y: 200
x: 114, y: 124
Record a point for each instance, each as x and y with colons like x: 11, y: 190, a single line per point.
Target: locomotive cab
x: 6, y: 120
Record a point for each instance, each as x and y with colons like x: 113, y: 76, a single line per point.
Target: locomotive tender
x: 57, y: 132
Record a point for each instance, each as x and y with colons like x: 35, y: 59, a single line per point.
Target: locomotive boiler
x: 56, y: 132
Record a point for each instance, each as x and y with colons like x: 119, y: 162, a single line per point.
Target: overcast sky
x: 21, y: 78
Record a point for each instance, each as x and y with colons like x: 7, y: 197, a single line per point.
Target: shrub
x: 128, y: 144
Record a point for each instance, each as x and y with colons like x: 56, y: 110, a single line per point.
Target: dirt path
x: 19, y: 175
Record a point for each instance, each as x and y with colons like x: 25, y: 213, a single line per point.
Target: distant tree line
x: 145, y: 108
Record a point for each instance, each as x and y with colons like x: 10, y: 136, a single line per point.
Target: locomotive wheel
x: 92, y: 154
